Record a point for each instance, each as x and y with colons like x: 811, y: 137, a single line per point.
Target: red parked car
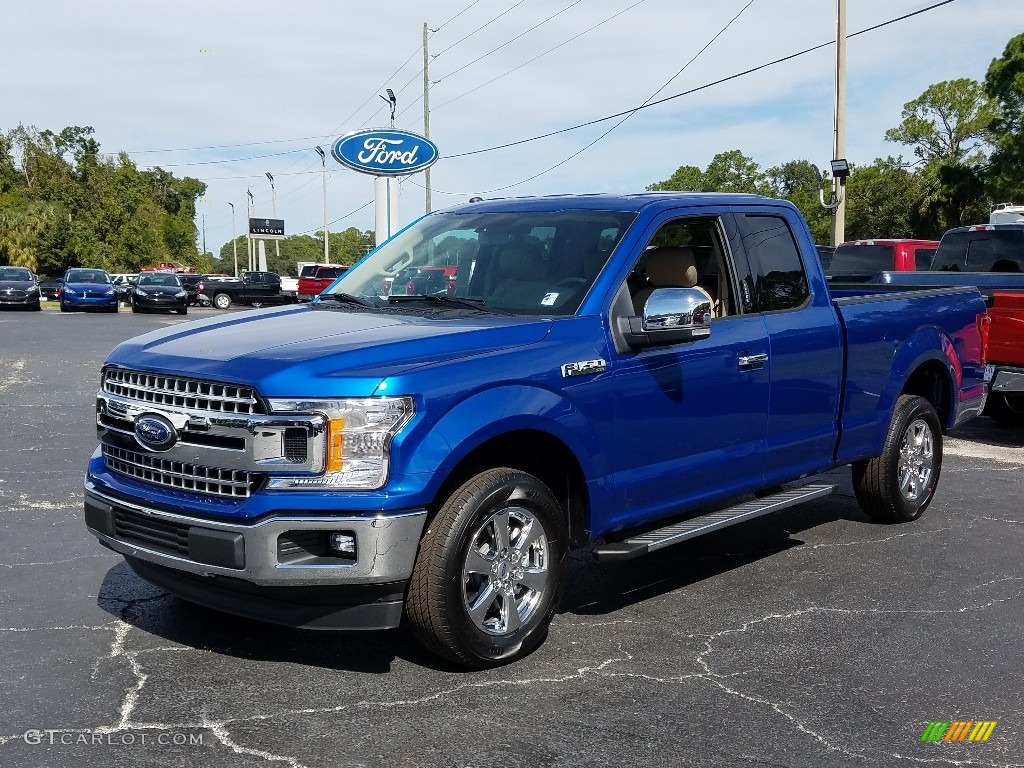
x: 866, y: 258
x: 315, y: 277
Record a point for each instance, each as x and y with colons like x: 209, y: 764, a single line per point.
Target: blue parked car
x: 87, y: 289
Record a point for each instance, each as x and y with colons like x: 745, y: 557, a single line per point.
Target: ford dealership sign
x: 385, y: 152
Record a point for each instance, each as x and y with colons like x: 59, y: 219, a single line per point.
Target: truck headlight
x: 357, y: 441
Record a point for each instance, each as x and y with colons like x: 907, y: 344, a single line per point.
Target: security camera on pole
x: 385, y: 153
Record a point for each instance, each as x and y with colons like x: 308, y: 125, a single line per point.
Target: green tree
x: 1004, y: 84
x: 730, y: 171
x: 948, y: 123
x: 884, y: 200
x: 798, y: 182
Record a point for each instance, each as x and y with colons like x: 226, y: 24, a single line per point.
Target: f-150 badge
x: 584, y: 368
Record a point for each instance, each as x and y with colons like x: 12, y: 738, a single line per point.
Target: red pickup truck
x: 313, y: 278
x: 866, y: 258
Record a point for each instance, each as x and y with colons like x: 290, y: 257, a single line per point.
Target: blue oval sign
x: 385, y: 152
x: 155, y: 432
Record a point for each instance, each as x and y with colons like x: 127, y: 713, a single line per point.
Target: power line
x: 629, y: 114
x: 700, y: 87
x: 482, y: 26
x: 540, y: 56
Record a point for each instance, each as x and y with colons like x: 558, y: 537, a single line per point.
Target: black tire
x: 461, y: 563
x: 182, y: 311
x: 136, y: 310
x: 64, y: 309
x: 37, y: 307
x: 112, y: 310
x: 221, y: 301
x: 898, y: 486
x: 1006, y: 409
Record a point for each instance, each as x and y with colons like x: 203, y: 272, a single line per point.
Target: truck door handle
x: 752, y: 361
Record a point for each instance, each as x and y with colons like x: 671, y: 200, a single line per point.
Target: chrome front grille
x: 178, y: 392
x: 214, y: 481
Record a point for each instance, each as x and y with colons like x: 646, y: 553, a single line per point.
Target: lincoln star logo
x: 155, y: 432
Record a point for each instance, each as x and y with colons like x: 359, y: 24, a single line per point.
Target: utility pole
x: 204, y: 234
x: 323, y: 163
x: 839, y: 148
x: 426, y: 110
x: 234, y: 240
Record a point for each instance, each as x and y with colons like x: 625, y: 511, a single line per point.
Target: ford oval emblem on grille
x: 155, y: 432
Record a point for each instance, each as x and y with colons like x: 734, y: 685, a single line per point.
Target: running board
x: 713, y: 521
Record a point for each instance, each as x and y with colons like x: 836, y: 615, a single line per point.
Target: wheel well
x: 931, y: 381
x: 540, y: 454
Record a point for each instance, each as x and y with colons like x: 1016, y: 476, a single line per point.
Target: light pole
x: 323, y: 163
x: 234, y: 242
x: 277, y: 243
x: 248, y: 234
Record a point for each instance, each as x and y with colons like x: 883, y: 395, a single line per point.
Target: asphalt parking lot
x: 811, y: 638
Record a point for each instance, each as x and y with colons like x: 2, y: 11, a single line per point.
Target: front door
x: 691, y: 418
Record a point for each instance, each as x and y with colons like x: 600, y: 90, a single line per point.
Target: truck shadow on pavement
x: 592, y: 589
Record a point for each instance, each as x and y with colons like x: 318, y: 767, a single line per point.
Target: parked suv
x: 314, y: 278
x: 866, y: 258
x: 195, y: 287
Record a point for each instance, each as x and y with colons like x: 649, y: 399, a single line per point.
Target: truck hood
x: 304, y: 352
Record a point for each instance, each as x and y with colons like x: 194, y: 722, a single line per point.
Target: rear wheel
x: 182, y: 311
x: 222, y: 301
x: 898, y: 486
x: 489, y: 573
x: 1004, y: 408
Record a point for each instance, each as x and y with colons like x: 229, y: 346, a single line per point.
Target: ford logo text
x: 155, y: 432
x: 385, y: 152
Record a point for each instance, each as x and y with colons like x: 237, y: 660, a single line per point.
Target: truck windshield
x: 523, y: 263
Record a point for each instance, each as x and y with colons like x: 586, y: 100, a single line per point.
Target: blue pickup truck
x: 613, y: 372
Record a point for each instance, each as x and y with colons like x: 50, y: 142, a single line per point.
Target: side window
x: 685, y: 253
x: 923, y: 259
x: 780, y: 281
x: 980, y: 257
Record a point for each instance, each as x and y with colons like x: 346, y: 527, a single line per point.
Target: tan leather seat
x: 669, y: 266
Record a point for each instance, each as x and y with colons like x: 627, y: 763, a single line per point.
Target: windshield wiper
x: 348, y: 298
x: 454, y: 301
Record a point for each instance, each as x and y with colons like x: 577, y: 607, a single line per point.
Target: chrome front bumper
x: 386, y: 545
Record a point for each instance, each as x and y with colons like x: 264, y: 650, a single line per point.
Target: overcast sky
x: 262, y: 82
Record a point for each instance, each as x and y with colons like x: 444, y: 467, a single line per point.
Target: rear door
x: 806, y: 346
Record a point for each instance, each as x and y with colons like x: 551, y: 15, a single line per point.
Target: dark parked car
x: 49, y: 289
x: 195, y: 287
x: 18, y: 288
x: 88, y: 289
x: 159, y: 292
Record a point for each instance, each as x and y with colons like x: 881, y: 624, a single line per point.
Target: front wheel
x: 898, y: 486
x: 489, y: 573
x: 222, y: 301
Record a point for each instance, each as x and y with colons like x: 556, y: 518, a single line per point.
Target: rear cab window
x: 981, y: 250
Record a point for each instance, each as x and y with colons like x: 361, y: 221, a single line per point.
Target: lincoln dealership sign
x: 385, y: 152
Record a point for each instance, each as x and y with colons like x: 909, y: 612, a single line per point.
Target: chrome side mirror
x: 678, y: 309
x: 670, y: 316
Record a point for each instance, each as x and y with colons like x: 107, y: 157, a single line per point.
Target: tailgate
x: 1006, y: 335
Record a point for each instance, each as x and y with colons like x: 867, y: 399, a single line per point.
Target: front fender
x: 490, y: 413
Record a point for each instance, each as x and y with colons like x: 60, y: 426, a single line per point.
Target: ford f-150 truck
x: 614, y: 372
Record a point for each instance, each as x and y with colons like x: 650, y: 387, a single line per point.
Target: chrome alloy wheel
x: 505, y: 571
x: 917, y: 451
